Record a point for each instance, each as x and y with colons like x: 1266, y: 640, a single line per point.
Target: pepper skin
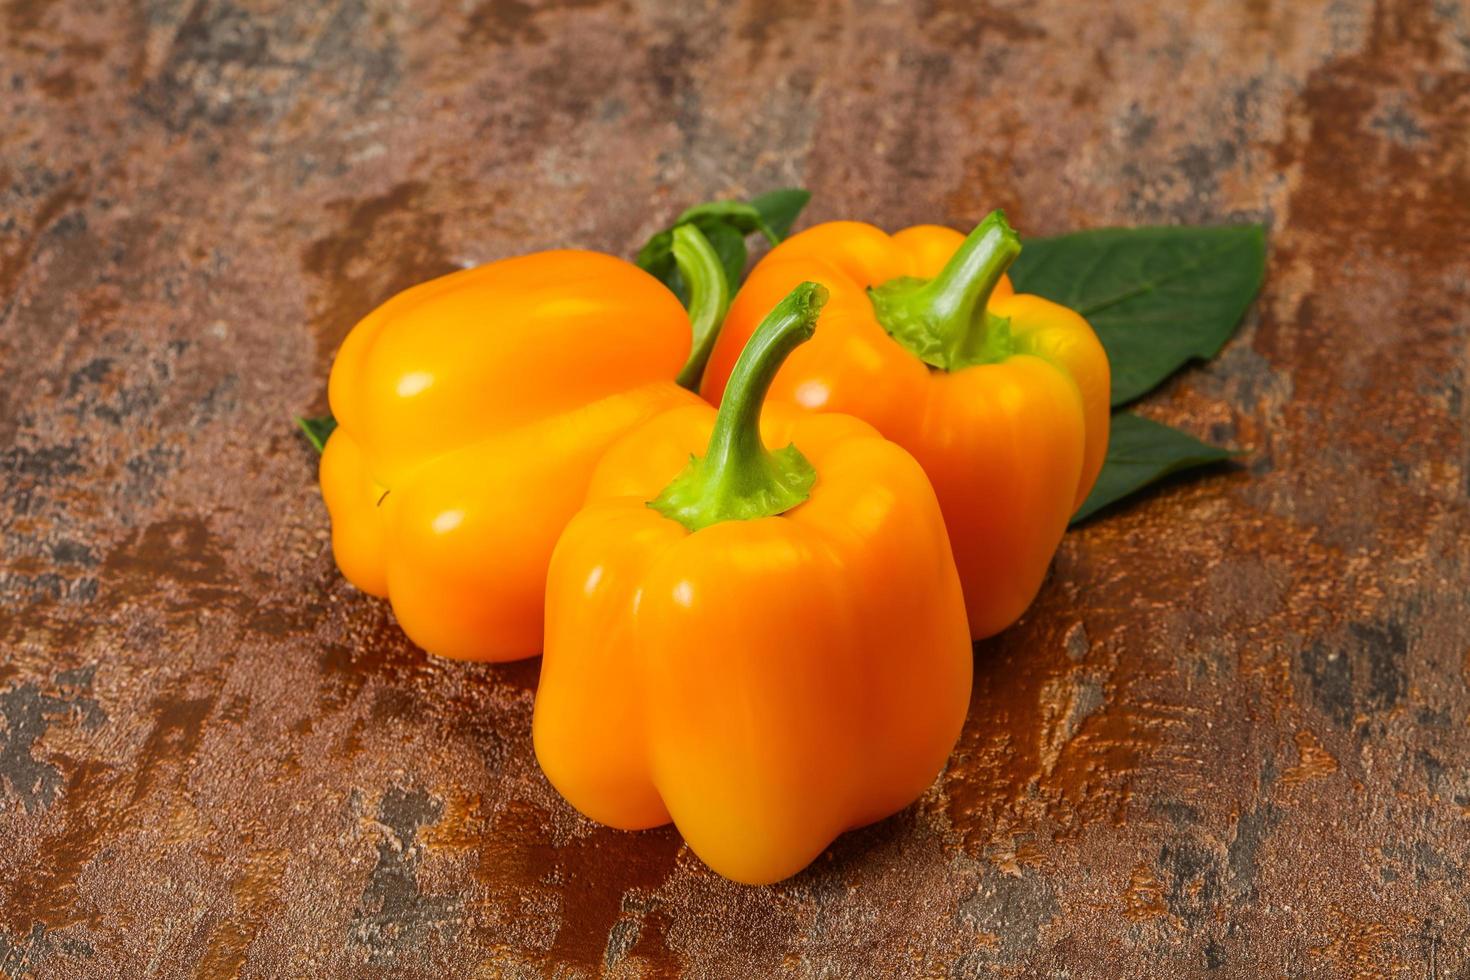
x: 1003, y: 398
x: 471, y: 411
x: 770, y: 651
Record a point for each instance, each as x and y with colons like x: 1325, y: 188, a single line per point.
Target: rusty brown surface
x: 1229, y: 740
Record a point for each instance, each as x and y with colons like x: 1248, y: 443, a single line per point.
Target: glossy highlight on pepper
x: 471, y: 411
x: 767, y: 647
x: 1002, y: 397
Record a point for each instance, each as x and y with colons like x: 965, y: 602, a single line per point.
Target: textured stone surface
x: 1229, y: 740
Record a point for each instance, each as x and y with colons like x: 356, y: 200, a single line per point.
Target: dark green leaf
x: 729, y: 245
x: 1158, y: 297
x: 656, y: 251
x: 656, y: 257
x: 726, y: 224
x: 317, y: 430
x: 1141, y: 452
x: 780, y: 209
x: 743, y: 217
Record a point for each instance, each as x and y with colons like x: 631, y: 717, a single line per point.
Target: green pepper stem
x: 735, y: 445
x: 943, y: 320
x: 709, y: 298
x: 738, y: 478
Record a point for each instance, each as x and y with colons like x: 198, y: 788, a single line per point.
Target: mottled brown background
x: 1229, y: 740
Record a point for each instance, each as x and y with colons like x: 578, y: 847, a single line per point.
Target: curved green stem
x: 943, y: 320
x: 709, y: 297
x: 738, y: 479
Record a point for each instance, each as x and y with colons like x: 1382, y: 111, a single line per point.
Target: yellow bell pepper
x: 767, y: 648
x: 471, y: 411
x: 1002, y: 397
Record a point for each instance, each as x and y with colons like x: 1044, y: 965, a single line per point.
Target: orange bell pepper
x: 471, y: 411
x: 767, y: 648
x: 1003, y: 398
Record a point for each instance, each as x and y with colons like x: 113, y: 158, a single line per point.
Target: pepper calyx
x: 738, y: 478
x: 944, y: 321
